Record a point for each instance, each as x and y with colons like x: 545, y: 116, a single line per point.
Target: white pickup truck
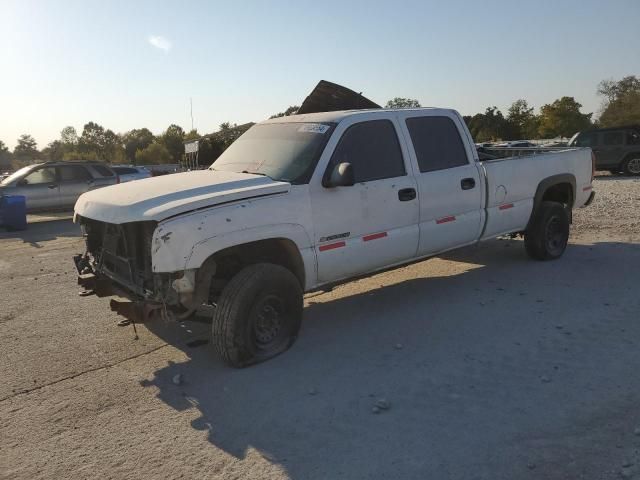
x: 304, y: 202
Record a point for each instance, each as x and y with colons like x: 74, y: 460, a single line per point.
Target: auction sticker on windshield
x: 314, y: 128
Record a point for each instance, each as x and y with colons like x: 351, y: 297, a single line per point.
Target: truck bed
x: 512, y: 182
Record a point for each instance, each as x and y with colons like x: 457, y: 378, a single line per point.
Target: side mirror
x: 341, y: 176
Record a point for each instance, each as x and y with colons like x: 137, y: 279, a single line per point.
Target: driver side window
x: 373, y: 150
x: 40, y: 176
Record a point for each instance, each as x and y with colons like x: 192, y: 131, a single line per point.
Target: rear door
x: 40, y: 187
x: 373, y: 223
x: 611, y: 152
x: 74, y: 181
x: 449, y: 187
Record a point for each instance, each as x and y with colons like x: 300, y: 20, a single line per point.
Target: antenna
x: 191, y: 104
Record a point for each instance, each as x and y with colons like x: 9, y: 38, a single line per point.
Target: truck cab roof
x: 338, y: 116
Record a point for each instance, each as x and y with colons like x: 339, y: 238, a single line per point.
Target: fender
x: 289, y: 231
x: 548, y: 182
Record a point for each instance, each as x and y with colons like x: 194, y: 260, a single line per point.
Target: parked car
x: 128, y: 173
x: 57, y: 185
x: 616, y: 149
x: 304, y: 202
x: 517, y: 144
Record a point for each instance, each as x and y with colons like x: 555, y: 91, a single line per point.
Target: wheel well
x: 558, y: 188
x: 629, y: 156
x: 560, y: 192
x: 228, y: 262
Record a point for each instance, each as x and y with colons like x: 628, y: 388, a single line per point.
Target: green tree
x: 26, y: 149
x: 622, y: 102
x: 292, y: 110
x: 136, y: 139
x: 524, y: 123
x: 172, y: 139
x: 5, y: 156
x: 54, y: 151
x: 98, y: 143
x: 154, y: 154
x: 400, y: 102
x: 489, y: 126
x: 69, y: 136
x: 563, y: 118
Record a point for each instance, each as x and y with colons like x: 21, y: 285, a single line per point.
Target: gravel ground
x: 480, y: 364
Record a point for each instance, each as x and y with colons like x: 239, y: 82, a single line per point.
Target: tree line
x: 561, y: 118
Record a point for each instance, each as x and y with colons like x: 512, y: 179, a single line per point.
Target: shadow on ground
x: 509, y: 369
x: 43, y: 231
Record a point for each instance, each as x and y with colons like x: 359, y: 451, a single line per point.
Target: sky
x: 126, y: 64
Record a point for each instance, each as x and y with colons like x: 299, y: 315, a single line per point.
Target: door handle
x: 406, y: 194
x: 467, y: 183
x: 51, y: 187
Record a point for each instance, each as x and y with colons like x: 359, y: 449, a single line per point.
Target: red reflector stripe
x: 586, y: 189
x: 331, y: 246
x: 450, y: 218
x: 506, y: 206
x: 374, y: 236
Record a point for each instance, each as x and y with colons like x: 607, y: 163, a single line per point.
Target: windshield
x: 282, y: 151
x: 15, y: 176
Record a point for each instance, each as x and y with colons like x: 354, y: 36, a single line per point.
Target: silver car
x: 128, y: 173
x: 57, y: 185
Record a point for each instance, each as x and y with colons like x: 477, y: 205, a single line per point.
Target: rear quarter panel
x: 512, y: 184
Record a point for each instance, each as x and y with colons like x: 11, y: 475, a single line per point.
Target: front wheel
x: 548, y: 235
x: 631, y: 166
x: 258, y: 314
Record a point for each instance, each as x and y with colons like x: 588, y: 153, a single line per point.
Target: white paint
x: 208, y: 211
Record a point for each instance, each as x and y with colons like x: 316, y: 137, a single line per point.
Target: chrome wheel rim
x: 634, y: 166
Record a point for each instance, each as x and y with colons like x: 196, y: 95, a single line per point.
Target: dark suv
x: 616, y: 149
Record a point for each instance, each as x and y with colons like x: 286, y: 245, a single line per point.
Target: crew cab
x: 305, y: 202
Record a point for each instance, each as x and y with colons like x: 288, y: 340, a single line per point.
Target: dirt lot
x: 495, y: 367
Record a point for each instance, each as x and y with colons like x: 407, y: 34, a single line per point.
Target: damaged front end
x: 117, y: 261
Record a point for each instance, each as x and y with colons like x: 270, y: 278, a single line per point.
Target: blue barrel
x: 13, y: 212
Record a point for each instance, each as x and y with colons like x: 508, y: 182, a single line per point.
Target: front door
x: 451, y: 212
x: 373, y: 223
x: 41, y: 188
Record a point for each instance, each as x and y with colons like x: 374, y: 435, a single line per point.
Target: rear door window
x: 373, y: 150
x: 74, y: 173
x: 437, y: 143
x: 102, y: 170
x: 613, y: 138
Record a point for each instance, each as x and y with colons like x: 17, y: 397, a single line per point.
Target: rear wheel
x: 548, y: 235
x: 631, y: 166
x: 258, y: 314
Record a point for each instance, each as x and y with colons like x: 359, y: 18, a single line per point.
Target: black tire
x: 631, y: 165
x: 548, y: 235
x: 258, y: 315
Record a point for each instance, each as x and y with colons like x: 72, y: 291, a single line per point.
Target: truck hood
x: 158, y: 198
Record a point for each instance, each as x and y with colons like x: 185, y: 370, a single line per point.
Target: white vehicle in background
x: 304, y: 202
x: 128, y: 173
